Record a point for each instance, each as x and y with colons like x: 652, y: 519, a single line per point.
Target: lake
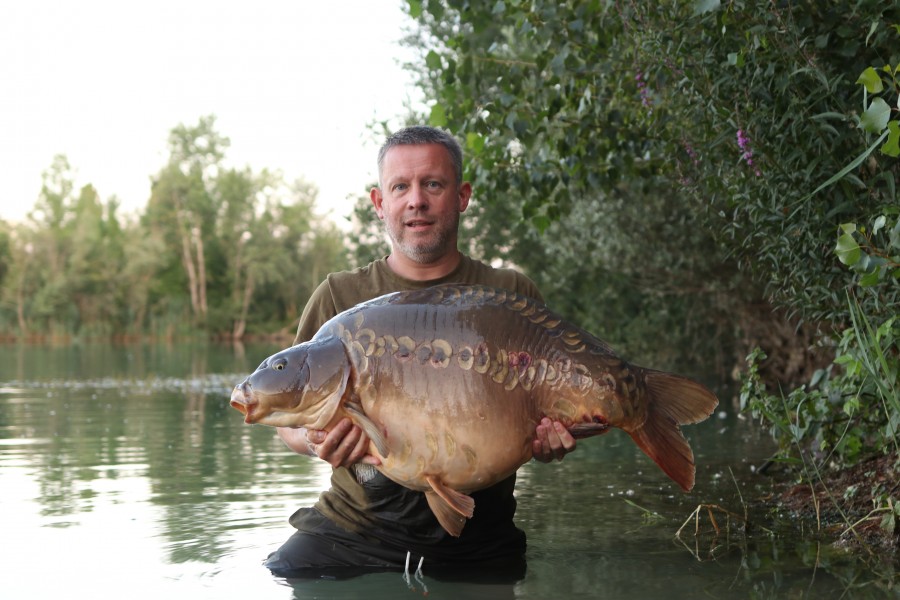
x: 125, y: 474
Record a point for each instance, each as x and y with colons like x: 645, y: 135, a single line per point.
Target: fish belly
x: 452, y: 427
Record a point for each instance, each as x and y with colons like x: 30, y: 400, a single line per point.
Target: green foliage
x: 695, y: 157
x: 369, y: 240
x: 852, y: 409
x: 856, y: 411
x: 217, y: 251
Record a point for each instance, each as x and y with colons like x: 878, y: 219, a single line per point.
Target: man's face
x: 420, y: 201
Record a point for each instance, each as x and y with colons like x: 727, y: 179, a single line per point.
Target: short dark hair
x: 421, y: 134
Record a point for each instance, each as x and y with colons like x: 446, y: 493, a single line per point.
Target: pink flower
x: 743, y: 143
x: 644, y: 90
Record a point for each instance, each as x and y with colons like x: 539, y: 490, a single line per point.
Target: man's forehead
x: 415, y: 160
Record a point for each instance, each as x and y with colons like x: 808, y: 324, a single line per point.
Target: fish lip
x: 242, y: 400
x: 246, y: 409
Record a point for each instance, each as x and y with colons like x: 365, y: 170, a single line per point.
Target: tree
x: 309, y: 245
x: 95, y: 263
x: 47, y: 251
x: 181, y: 207
x: 17, y: 285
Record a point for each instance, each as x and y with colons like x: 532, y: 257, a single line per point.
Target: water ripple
x: 211, y: 383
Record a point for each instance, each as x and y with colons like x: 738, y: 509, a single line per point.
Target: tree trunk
x: 201, y: 272
x: 20, y: 306
x: 188, y: 261
x: 241, y: 324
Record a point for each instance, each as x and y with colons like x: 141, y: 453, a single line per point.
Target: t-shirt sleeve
x: 319, y: 309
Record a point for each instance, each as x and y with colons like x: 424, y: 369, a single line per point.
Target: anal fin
x: 450, y: 507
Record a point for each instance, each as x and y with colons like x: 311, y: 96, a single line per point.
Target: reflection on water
x: 125, y: 473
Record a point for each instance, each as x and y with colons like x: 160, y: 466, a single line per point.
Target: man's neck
x: 414, y: 271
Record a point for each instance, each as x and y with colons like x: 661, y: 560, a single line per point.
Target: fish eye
x: 278, y: 365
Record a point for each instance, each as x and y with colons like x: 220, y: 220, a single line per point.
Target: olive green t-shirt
x: 370, y: 504
x: 345, y: 289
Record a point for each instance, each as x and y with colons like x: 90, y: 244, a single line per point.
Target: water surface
x: 126, y: 474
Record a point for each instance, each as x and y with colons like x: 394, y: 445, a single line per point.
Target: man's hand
x: 343, y: 446
x: 552, y: 441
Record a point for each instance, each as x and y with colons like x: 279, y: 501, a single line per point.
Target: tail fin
x: 673, y: 401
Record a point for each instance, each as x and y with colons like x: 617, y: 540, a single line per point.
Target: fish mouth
x: 243, y: 401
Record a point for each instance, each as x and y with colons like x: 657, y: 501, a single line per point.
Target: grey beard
x: 425, y: 254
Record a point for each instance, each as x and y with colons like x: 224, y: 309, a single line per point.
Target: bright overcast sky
x: 293, y: 84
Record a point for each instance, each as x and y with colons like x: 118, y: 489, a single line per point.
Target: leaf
x: 475, y: 142
x: 438, y: 117
x: 558, y: 64
x: 433, y: 60
x: 704, y: 6
x: 888, y: 522
x: 871, y: 80
x: 876, y: 117
x: 855, y: 163
x: 415, y: 8
x: 870, y: 279
x: 541, y: 223
x: 847, y: 250
x: 872, y: 28
x: 892, y: 145
x: 894, y: 235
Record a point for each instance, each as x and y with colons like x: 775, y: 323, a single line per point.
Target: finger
x: 359, y: 451
x: 541, y: 445
x: 560, y: 441
x: 342, y: 454
x: 345, y: 453
x: 315, y: 436
x: 552, y: 441
x: 537, y: 451
x: 329, y: 445
x: 565, y: 437
x: 371, y: 460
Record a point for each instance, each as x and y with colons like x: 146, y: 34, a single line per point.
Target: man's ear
x: 375, y: 195
x: 465, y: 193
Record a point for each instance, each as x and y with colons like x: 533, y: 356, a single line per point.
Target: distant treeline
x: 220, y: 252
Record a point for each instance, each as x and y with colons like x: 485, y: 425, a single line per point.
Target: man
x: 366, y: 520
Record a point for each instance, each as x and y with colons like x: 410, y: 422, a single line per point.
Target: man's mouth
x: 418, y: 223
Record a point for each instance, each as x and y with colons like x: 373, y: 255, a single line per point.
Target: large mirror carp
x: 450, y: 382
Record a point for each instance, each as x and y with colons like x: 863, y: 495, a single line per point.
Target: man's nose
x: 417, y: 198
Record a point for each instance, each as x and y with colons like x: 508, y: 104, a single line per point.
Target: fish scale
x: 450, y: 382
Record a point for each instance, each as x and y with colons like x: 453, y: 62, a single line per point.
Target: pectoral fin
x: 372, y: 430
x: 451, y: 508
